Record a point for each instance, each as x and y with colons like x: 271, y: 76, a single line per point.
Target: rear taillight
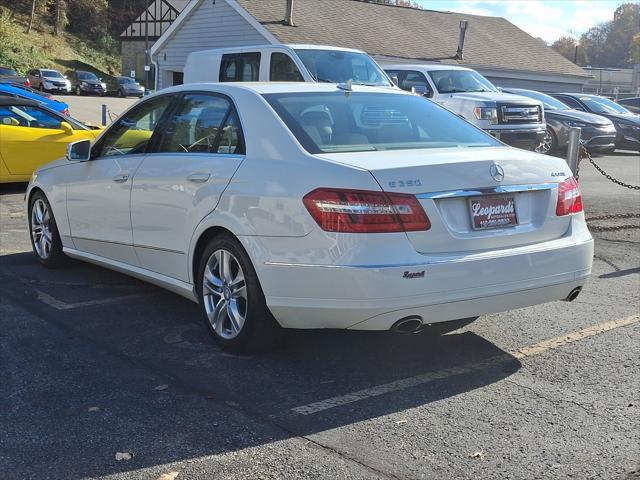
x: 27, y: 83
x: 363, y: 211
x: 569, y: 198
x: 65, y: 112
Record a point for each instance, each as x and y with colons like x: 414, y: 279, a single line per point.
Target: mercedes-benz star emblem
x: 497, y: 172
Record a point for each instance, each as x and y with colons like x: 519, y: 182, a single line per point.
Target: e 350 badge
x: 405, y: 183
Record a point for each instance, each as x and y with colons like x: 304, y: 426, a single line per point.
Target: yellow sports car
x: 32, y: 135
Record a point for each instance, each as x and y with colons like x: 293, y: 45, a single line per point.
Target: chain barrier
x: 615, y: 216
x: 585, y: 154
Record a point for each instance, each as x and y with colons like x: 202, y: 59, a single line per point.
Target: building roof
x: 407, y: 33
x: 156, y: 18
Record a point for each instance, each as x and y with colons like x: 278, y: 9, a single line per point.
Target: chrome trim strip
x: 168, y: 250
x: 487, y: 191
x: 373, y: 267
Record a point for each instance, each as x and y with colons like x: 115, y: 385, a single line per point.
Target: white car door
x: 181, y: 181
x: 99, y: 190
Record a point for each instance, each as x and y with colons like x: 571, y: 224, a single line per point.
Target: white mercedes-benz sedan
x: 315, y: 206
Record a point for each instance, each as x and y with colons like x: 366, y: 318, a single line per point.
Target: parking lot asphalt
x: 88, y: 109
x: 95, y: 365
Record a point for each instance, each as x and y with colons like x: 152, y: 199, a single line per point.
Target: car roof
x: 23, y: 102
x: 278, y: 87
x: 288, y: 46
x: 425, y: 66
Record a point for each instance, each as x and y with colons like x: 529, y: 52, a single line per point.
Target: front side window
x: 356, y: 122
x: 456, y: 81
x: 240, y: 67
x: 130, y: 134
x: 203, y: 124
x: 32, y: 117
x: 338, y: 66
x: 283, y: 69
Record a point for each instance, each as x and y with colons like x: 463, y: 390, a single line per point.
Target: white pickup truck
x: 516, y: 120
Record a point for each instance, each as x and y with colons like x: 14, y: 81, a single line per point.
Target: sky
x: 547, y: 19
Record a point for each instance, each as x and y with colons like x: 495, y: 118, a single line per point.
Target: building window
x: 177, y: 78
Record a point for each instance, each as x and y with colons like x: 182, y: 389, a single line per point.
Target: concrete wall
x: 208, y: 26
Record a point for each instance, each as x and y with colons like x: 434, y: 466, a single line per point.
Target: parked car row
x: 79, y: 82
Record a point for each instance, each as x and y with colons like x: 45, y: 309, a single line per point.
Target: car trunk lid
x: 458, y: 188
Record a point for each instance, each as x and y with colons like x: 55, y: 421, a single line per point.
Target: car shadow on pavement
x: 126, y: 367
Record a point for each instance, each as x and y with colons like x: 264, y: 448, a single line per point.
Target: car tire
x: 121, y: 94
x: 442, y: 328
x: 45, y: 238
x: 41, y: 88
x: 549, y: 143
x: 231, y: 299
x: 78, y: 91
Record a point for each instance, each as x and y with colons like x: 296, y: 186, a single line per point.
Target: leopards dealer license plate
x: 493, y: 211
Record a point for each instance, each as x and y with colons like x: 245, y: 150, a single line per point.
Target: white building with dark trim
x: 507, y: 55
x: 147, y: 28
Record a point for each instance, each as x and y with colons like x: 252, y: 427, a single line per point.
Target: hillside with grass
x: 40, y: 48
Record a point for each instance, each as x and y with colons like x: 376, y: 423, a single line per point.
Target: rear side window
x: 283, y: 69
x: 130, y: 135
x: 240, y: 67
x: 203, y: 123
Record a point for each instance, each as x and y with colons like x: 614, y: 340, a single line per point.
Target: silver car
x: 47, y: 80
x: 124, y: 87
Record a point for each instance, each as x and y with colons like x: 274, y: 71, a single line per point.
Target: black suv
x: 86, y: 83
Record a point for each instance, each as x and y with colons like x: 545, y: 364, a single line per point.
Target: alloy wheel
x: 546, y: 143
x: 41, y: 229
x: 224, y: 294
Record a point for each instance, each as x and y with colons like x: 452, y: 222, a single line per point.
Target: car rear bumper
x: 437, y: 288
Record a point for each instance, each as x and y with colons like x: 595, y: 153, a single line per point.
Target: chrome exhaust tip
x: 573, y: 294
x: 407, y: 325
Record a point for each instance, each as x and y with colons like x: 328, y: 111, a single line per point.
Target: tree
x: 634, y: 49
x: 33, y: 12
x: 608, y: 44
x: 566, y: 46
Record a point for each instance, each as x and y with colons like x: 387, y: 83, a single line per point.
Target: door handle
x: 121, y: 177
x: 199, y: 177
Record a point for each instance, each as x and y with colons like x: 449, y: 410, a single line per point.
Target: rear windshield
x: 7, y: 71
x: 336, y: 66
x: 362, y: 121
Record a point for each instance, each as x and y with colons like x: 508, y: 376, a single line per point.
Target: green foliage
x: 40, y: 48
x: 609, y: 44
x: 566, y: 46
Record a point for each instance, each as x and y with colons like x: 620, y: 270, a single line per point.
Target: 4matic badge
x: 413, y: 274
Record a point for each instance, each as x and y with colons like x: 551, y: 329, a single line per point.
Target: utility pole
x: 147, y: 70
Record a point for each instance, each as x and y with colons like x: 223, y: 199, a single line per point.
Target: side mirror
x: 66, y: 127
x: 79, y: 151
x: 428, y: 94
x: 395, y: 80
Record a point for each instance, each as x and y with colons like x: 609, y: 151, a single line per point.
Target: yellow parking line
x: 556, y: 342
x: 519, y: 354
